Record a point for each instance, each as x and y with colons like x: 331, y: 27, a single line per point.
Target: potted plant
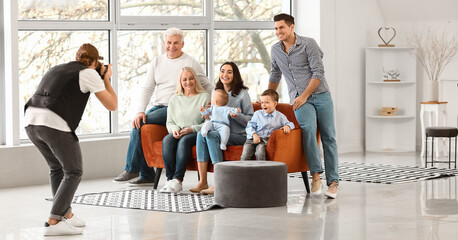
x: 434, y: 50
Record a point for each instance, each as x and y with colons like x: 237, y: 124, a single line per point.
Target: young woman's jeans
x: 62, y: 152
x: 209, y: 147
x: 176, y: 154
x: 135, y: 160
x: 319, y: 110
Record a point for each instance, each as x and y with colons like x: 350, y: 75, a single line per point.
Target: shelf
x: 392, y: 83
x: 390, y: 117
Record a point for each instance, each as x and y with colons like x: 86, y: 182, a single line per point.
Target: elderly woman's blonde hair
x: 179, y: 88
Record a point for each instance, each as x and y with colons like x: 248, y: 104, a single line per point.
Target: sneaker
x: 76, y: 221
x: 142, y: 182
x: 165, y: 188
x: 61, y: 228
x: 316, y: 187
x: 332, y: 190
x: 125, y: 176
x: 175, y: 186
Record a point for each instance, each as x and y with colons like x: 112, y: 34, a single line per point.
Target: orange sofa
x: 286, y: 148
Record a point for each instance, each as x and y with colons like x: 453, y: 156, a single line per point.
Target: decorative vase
x: 432, y: 91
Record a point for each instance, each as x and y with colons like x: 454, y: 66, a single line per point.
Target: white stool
x: 433, y: 114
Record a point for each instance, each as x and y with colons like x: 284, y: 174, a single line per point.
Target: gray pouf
x: 251, y: 184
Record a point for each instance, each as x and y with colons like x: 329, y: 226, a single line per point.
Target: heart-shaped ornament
x: 386, y: 29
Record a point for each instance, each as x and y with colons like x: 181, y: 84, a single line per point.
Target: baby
x: 262, y: 124
x: 219, y: 116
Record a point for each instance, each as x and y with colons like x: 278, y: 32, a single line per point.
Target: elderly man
x: 161, y: 78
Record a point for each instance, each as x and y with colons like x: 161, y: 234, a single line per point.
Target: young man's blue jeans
x: 209, y: 147
x: 176, y: 154
x: 319, y: 110
x: 135, y: 160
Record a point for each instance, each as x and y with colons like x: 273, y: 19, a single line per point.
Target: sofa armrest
x: 152, y: 133
x: 287, y: 148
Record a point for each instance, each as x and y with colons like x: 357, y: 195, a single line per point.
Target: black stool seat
x: 441, y: 131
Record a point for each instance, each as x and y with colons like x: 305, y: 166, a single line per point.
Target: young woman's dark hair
x: 237, y: 82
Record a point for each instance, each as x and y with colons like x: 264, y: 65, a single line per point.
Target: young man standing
x: 299, y: 59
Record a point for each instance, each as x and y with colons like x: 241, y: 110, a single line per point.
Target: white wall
x: 23, y: 165
x: 347, y: 28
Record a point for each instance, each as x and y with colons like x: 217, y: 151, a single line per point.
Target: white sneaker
x: 76, y: 221
x: 175, y: 186
x: 165, y: 188
x: 61, y: 228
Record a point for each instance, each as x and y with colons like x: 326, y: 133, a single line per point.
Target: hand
x: 298, y: 102
x: 256, y: 139
x: 201, y: 109
x: 108, y: 72
x: 234, y: 115
x: 177, y: 134
x: 209, y: 104
x: 239, y: 110
x: 186, y: 131
x: 286, y: 129
x: 141, y: 116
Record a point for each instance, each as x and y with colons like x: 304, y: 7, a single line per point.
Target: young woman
x: 208, y: 147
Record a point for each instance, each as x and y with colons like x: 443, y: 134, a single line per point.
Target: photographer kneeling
x: 52, y: 116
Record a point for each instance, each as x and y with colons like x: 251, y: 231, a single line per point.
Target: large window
x: 129, y: 34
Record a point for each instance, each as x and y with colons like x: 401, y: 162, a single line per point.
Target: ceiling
x: 419, y: 10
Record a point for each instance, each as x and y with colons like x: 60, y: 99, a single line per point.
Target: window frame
x: 9, y: 121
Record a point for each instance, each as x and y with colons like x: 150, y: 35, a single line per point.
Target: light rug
x: 386, y: 174
x: 148, y: 199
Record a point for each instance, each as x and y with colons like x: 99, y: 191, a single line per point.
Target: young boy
x: 219, y: 116
x: 262, y: 124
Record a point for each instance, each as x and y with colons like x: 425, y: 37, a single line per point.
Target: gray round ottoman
x: 251, y: 184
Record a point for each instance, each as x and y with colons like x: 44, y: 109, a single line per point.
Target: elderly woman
x: 208, y: 147
x: 183, y: 122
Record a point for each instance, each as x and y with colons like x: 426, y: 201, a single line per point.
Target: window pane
x: 136, y: 49
x: 162, y: 8
x: 250, y: 50
x: 41, y: 50
x: 246, y: 10
x: 63, y: 10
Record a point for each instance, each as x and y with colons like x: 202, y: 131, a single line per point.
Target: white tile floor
x: 420, y: 210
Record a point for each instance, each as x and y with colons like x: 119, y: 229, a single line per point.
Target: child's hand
x: 286, y: 129
x: 239, y: 110
x: 256, y: 139
x: 233, y: 115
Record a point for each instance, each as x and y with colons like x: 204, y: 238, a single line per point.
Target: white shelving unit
x: 390, y: 133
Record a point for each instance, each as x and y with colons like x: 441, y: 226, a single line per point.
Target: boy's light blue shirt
x: 264, y: 124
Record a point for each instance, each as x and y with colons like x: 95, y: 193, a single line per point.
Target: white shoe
x: 175, y: 186
x: 61, y: 228
x: 223, y: 147
x: 165, y: 188
x: 76, y: 221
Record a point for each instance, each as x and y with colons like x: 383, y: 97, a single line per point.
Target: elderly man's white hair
x: 174, y: 32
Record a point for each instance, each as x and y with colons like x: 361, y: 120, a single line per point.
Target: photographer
x: 52, y: 116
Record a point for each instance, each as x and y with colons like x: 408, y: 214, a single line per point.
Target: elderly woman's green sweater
x: 184, y: 112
